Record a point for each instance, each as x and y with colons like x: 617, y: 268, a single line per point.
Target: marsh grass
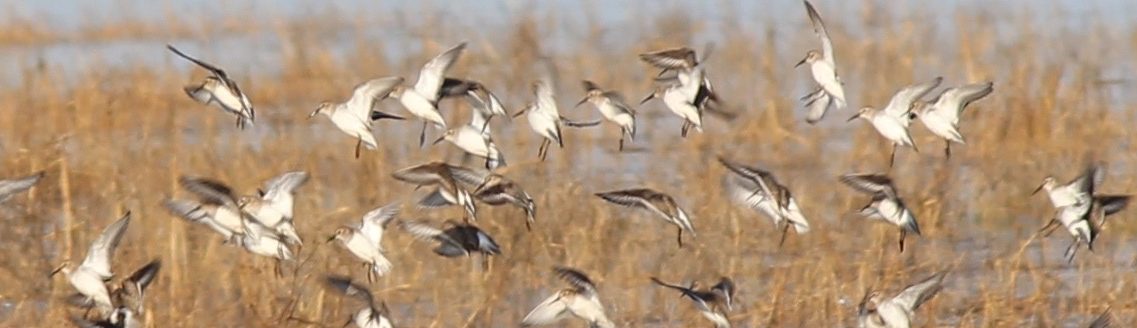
x: 116, y: 138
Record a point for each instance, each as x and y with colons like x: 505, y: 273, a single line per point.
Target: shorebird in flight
x: 614, y: 109
x: 354, y: 116
x: 892, y: 120
x: 488, y: 187
x: 656, y: 202
x: 758, y: 189
x: 941, y: 115
x: 272, y: 206
x: 91, y: 276
x: 373, y: 315
x: 823, y: 68
x: 886, y: 204
x: 876, y: 311
x: 580, y: 300
x: 713, y: 303
x: 364, y: 240
x: 455, y: 239
x: 545, y: 118
x: 218, y: 89
x: 439, y: 174
x: 421, y: 100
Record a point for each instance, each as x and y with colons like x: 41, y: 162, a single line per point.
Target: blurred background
x: 89, y: 94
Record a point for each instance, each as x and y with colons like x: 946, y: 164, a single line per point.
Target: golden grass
x: 117, y: 139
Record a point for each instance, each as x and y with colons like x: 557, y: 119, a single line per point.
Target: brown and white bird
x: 758, y: 189
x: 580, y: 300
x: 656, y: 202
x: 886, y: 204
x: 876, y: 311
x: 454, y: 238
x: 612, y: 106
x: 489, y: 188
x: 713, y: 303
x: 941, y: 115
x: 272, y: 206
x: 440, y: 175
x: 373, y: 315
x: 218, y: 89
x: 365, y: 240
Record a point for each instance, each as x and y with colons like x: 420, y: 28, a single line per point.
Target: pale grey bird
x: 421, y: 100
x: 876, y: 311
x: 581, y: 300
x: 365, y: 240
x: 886, y: 204
x: 355, y: 115
x: 892, y: 120
x: 90, y: 277
x: 941, y: 115
x: 273, y: 204
x: 373, y: 315
x: 612, y: 106
x: 823, y: 68
x: 219, y: 90
x: 10, y: 187
x: 545, y: 118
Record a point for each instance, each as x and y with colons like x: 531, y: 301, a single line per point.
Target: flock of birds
x: 262, y: 222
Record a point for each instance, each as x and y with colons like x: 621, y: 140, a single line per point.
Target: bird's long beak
x: 479, y: 188
x: 581, y: 102
x: 853, y: 118
x: 646, y: 99
x: 519, y: 113
x: 1036, y: 190
x: 436, y: 141
x: 330, y: 239
x: 313, y: 114
x: 57, y: 270
x: 803, y: 60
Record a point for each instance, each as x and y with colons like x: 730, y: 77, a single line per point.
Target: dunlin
x: 484, y: 102
x: 758, y: 189
x: 892, y: 120
x: 545, y: 118
x: 681, y: 99
x: 90, y: 277
x: 886, y: 204
x: 354, y: 116
x: 656, y: 202
x: 220, y: 90
x: 216, y: 207
x: 488, y: 187
x: 373, y: 315
x: 455, y: 239
x: 614, y: 109
x: 941, y: 115
x: 439, y: 174
x: 1075, y: 204
x: 823, y: 67
x: 132, y: 291
x: 899, y: 311
x: 272, y: 206
x: 473, y: 142
x: 580, y: 300
x: 422, y: 99
x: 713, y: 303
x: 364, y: 240
x: 9, y: 187
x: 681, y: 61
